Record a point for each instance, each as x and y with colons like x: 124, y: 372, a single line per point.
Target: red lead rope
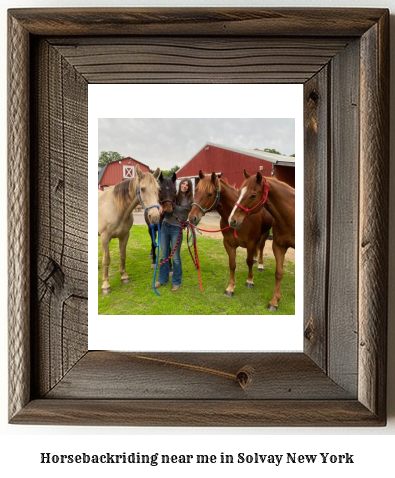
x: 189, y: 226
x: 217, y: 230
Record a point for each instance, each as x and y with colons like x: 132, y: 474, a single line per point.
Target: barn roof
x: 276, y: 159
x: 101, y: 173
x: 103, y: 169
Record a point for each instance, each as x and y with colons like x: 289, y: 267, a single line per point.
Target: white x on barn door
x: 128, y: 172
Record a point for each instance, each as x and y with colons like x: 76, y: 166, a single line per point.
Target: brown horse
x: 116, y: 205
x: 167, y: 199
x: 214, y: 193
x: 280, y: 203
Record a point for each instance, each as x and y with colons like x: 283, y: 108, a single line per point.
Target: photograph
x: 232, y: 197
x: 192, y: 217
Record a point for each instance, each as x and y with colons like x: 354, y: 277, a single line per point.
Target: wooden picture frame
x: 342, y: 58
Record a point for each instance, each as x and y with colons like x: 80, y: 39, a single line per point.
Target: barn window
x: 128, y: 172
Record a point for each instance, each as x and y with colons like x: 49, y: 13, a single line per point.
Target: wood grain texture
x: 343, y: 218
x: 187, y: 376
x: 341, y: 56
x: 316, y: 214
x: 191, y: 59
x: 255, y: 22
x: 61, y: 235
x: 374, y: 224
x: 18, y: 218
x: 202, y: 413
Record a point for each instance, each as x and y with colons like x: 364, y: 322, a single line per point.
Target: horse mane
x: 124, y: 192
x: 225, y: 181
x: 205, y: 187
x: 280, y: 183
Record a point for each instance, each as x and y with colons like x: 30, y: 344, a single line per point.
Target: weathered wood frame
x: 342, y: 58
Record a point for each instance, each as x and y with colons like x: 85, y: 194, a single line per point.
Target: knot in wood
x: 244, y: 376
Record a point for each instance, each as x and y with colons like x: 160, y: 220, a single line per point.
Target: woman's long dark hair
x: 188, y: 194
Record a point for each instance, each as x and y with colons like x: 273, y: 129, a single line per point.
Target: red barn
x: 230, y: 162
x: 117, y: 171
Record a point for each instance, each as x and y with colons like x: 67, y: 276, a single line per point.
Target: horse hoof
x: 255, y: 261
x: 229, y: 293
x: 106, y: 291
x: 261, y: 269
x: 249, y: 285
x: 153, y: 266
x: 272, y: 308
x: 125, y: 281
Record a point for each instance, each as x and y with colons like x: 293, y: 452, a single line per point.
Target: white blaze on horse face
x: 242, y: 192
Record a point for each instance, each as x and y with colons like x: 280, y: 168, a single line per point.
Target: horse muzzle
x: 194, y: 219
x: 235, y: 224
x: 153, y: 216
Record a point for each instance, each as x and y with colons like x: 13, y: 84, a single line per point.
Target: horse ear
x: 201, y: 175
x: 160, y: 176
x: 139, y: 172
x: 157, y: 172
x: 213, y: 177
x: 258, y: 177
x: 246, y: 175
x: 174, y: 177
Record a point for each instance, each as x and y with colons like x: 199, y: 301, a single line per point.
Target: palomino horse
x: 167, y: 199
x: 116, y: 205
x: 280, y: 202
x: 214, y: 193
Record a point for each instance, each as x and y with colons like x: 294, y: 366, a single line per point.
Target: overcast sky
x: 166, y: 143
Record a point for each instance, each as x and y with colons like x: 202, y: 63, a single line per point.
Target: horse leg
x: 105, y: 244
x: 122, y: 254
x: 232, y: 268
x: 250, y: 261
x: 151, y: 254
x: 153, y: 248
x: 259, y: 250
x: 279, y: 254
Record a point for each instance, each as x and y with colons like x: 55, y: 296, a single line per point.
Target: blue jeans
x: 168, y: 238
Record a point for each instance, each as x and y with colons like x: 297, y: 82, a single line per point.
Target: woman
x: 171, y: 231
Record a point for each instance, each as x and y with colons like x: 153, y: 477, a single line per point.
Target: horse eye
x: 253, y: 196
x: 143, y: 190
x: 209, y: 195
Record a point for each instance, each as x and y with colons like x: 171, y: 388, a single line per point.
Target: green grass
x: 139, y: 298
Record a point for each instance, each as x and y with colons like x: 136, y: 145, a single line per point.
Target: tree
x: 268, y: 150
x: 273, y: 151
x: 108, y: 157
x: 167, y: 173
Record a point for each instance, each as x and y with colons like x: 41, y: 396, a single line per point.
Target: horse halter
x: 142, y: 202
x: 262, y: 201
x: 167, y: 200
x: 214, y: 205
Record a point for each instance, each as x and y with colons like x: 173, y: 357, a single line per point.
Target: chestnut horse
x: 279, y: 199
x: 214, y: 193
x: 116, y: 205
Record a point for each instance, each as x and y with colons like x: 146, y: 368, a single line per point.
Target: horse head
x: 167, y: 192
x: 206, y: 197
x: 148, y: 192
x: 251, y: 199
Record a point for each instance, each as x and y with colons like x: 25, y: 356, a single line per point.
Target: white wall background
x: 20, y: 452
